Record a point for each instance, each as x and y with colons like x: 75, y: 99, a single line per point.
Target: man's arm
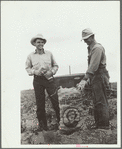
x: 28, y: 66
x: 54, y: 65
x: 49, y: 74
x: 94, y: 63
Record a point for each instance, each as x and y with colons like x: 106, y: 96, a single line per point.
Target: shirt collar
x: 43, y: 52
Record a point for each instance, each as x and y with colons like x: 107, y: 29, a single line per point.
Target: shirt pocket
x: 36, y: 65
x: 47, y: 62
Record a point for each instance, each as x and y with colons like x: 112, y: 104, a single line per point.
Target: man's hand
x: 81, y: 85
x: 40, y: 72
x: 37, y: 72
x: 89, y: 81
x: 43, y: 71
x: 48, y: 74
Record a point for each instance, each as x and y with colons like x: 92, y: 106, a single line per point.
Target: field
x: 82, y: 135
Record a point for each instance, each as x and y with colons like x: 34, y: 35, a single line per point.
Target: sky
x: 61, y: 23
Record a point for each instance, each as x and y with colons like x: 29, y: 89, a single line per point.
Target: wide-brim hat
x: 40, y: 36
x: 86, y: 33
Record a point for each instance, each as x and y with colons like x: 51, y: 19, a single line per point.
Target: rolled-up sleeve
x: 54, y: 65
x: 94, y: 62
x: 28, y: 66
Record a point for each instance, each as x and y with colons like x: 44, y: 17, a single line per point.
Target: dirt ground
x: 82, y: 135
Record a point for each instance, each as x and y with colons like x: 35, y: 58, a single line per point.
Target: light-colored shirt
x: 96, y: 59
x: 37, y: 61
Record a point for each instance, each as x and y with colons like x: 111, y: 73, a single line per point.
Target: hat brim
x: 34, y: 38
x: 86, y: 37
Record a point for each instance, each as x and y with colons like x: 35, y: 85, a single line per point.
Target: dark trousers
x: 40, y: 84
x: 101, y: 108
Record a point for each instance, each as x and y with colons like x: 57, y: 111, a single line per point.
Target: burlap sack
x: 70, y: 117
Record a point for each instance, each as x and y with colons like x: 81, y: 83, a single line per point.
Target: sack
x: 69, y: 99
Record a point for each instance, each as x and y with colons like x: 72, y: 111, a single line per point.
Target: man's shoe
x: 42, y: 126
x: 104, y: 127
x: 45, y: 128
x: 54, y: 126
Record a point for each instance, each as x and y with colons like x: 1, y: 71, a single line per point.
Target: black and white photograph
x: 60, y: 74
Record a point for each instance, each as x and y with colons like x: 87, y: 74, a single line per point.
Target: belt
x: 41, y: 77
x: 101, y: 70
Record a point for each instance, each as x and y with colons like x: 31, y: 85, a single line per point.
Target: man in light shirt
x: 98, y: 77
x: 42, y: 65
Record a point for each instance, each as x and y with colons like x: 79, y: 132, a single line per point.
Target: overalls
x: 99, y: 83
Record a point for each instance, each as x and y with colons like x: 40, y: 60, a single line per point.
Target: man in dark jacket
x: 98, y: 77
